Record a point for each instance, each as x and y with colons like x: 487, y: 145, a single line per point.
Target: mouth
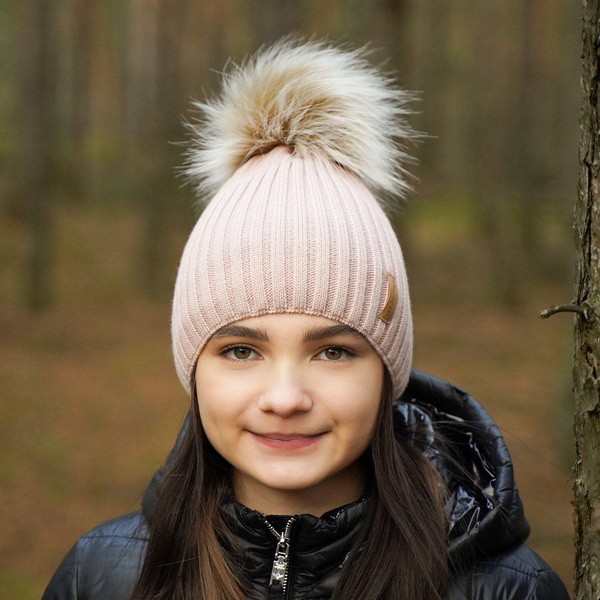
x: 287, y: 441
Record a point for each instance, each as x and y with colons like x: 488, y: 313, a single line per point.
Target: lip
x: 286, y: 441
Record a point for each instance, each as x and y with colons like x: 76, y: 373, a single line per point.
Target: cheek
x: 219, y: 396
x: 367, y: 418
x: 218, y: 425
x: 218, y: 414
x: 357, y: 416
x: 358, y: 400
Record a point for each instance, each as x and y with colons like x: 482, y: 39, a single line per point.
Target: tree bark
x: 586, y: 368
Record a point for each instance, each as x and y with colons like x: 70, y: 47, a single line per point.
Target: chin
x: 287, y: 484
x: 290, y: 478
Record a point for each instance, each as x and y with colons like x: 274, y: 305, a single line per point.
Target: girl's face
x: 291, y: 402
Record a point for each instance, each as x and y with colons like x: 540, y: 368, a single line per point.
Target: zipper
x: 281, y: 561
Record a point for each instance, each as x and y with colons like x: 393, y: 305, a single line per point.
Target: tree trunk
x: 586, y: 367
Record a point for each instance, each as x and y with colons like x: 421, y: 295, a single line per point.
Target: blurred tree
x: 83, y: 15
x: 390, y: 29
x: 217, y: 19
x: 158, y: 200
x: 273, y: 19
x: 37, y: 73
x: 491, y: 85
x: 143, y: 161
x: 527, y: 165
x: 357, y: 19
x: 154, y: 103
x: 586, y: 368
x: 435, y: 32
x: 394, y: 26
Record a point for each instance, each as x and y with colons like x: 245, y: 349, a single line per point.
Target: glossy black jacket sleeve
x: 63, y: 585
x: 104, y: 564
x: 518, y: 574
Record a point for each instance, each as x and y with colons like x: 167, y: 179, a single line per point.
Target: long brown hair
x: 399, y: 554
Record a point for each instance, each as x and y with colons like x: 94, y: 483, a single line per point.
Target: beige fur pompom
x: 314, y: 98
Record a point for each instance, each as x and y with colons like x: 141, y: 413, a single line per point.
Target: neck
x: 316, y: 500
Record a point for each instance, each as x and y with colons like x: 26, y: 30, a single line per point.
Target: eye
x: 335, y: 353
x: 237, y: 353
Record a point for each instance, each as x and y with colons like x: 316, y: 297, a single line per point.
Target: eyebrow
x: 311, y: 335
x: 259, y: 335
x: 320, y: 333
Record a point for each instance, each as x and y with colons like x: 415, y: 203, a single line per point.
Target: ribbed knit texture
x: 292, y: 235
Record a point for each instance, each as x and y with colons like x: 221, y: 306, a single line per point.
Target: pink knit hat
x: 300, y: 136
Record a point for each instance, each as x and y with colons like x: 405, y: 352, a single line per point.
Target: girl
x: 313, y: 465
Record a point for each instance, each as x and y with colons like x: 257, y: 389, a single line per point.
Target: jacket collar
x: 318, y: 545
x: 310, y: 533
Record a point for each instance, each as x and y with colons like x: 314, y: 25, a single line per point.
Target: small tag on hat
x: 391, y: 301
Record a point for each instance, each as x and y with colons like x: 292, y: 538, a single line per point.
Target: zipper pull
x: 280, y: 562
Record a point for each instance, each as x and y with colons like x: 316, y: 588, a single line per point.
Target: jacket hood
x: 484, y: 511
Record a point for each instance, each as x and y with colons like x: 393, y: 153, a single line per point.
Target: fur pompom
x: 314, y: 98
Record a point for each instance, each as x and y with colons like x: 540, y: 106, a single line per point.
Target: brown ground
x: 90, y: 401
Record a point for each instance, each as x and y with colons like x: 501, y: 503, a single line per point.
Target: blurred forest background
x: 93, y: 220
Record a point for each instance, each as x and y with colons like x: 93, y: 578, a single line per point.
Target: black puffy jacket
x: 487, y: 526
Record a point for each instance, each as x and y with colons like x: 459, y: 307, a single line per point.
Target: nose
x: 284, y: 393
